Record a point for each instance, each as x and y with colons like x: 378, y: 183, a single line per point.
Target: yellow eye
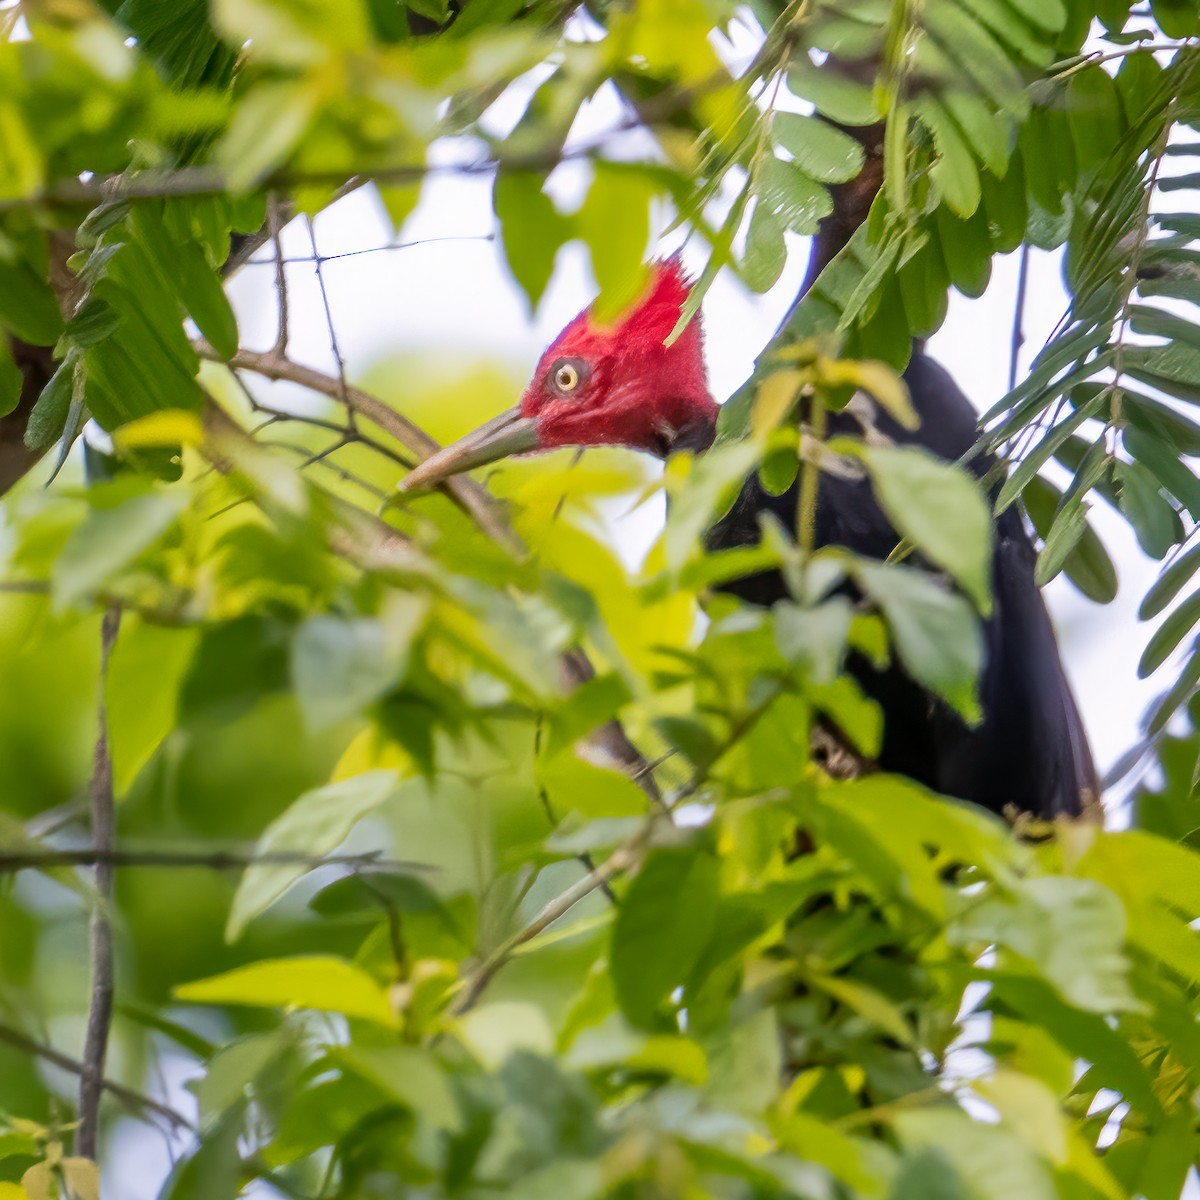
x: 566, y: 377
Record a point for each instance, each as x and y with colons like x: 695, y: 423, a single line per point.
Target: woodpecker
x: 621, y: 384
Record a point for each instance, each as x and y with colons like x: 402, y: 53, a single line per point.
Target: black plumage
x: 1030, y: 752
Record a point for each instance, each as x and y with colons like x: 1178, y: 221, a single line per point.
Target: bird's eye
x: 566, y: 376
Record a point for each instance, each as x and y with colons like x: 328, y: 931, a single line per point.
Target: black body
x: 1030, y: 751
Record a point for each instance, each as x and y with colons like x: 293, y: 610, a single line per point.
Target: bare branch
x: 275, y: 220
x: 333, y: 342
x: 626, y: 856
x: 1018, y: 325
x: 348, y: 435
x: 474, y: 499
x: 95, y: 1046
x: 133, y: 1100
x: 387, y: 246
x: 216, y: 860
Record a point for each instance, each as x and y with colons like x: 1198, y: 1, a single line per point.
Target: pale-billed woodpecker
x: 621, y: 384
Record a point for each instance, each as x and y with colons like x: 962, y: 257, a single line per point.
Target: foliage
x: 671, y: 959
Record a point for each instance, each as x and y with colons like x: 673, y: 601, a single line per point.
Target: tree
x: 605, y: 926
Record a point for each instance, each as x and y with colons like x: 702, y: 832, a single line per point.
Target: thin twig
x: 377, y: 493
x: 1018, y: 326
x: 216, y: 860
x: 278, y: 415
x: 324, y: 258
x: 343, y: 399
x: 474, y: 499
x: 99, y: 1021
x: 275, y: 224
x: 131, y: 1099
x: 628, y: 855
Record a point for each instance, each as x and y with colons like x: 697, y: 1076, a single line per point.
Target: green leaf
x: 213, y: 1171
x: 813, y: 639
x: 711, y: 485
x: 967, y: 249
x: 531, y: 230
x: 822, y: 151
x: 1168, y: 467
x: 1069, y: 527
x: 835, y: 96
x: 924, y: 282
x: 615, y: 223
x: 567, y: 1179
x: 1094, y: 113
x: 954, y: 171
x: 94, y: 321
x: 186, y: 271
x: 1088, y: 565
x: 1070, y: 931
x: 991, y: 135
x: 109, y: 539
x: 997, y: 16
x: 983, y: 62
x: 308, y: 981
x: 22, y: 168
x: 295, y: 32
x: 340, y: 666
x: 798, y: 202
x: 1006, y: 204
x: 315, y: 824
x: 886, y: 388
x: 999, y: 1164
x: 1034, y: 459
x: 766, y: 251
x: 145, y: 672
x: 266, y: 126
x: 11, y: 379
x: 868, y: 1003
x: 575, y: 785
x: 941, y: 509
x: 1174, y: 369
x: 1153, y: 519
x: 372, y: 892
x: 661, y: 928
x: 1176, y: 18
x: 1143, y: 865
x: 1177, y: 693
x: 935, y: 631
x: 1050, y: 15
x: 1169, y: 634
x: 233, y: 1069
x: 399, y: 201
x: 1154, y: 418
x: 1170, y: 583
x: 27, y: 305
x: 927, y: 1174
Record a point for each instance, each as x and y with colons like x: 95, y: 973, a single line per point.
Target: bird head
x: 600, y: 384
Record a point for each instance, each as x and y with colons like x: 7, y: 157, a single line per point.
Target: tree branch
x: 99, y: 1021
x: 474, y: 499
x: 217, y: 860
x: 131, y: 1099
x: 626, y: 856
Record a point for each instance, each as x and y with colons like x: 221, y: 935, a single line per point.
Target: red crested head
x: 619, y: 384
x: 603, y: 385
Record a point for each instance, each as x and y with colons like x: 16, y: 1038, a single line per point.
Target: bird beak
x: 509, y: 433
